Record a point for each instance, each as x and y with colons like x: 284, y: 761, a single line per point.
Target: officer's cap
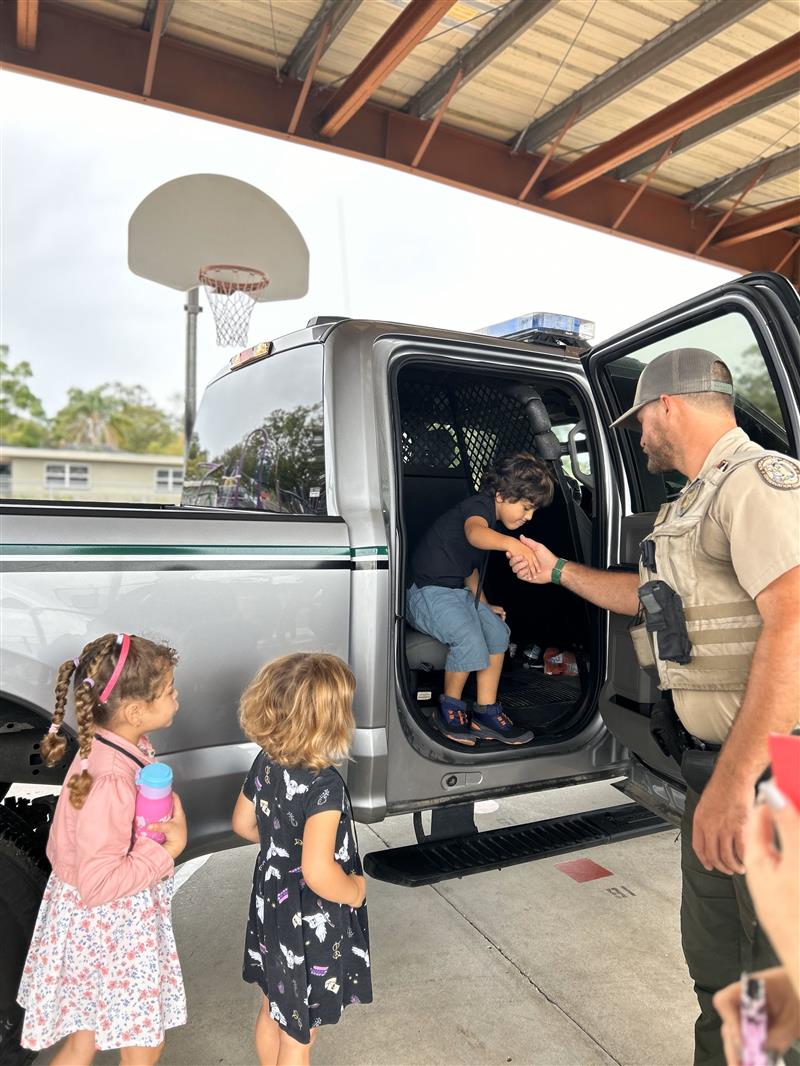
x: 675, y: 373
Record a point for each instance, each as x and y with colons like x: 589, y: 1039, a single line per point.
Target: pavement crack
x: 527, y: 977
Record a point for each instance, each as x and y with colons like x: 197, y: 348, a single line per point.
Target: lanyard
x: 123, y: 751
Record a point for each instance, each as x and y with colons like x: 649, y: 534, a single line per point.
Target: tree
x: 279, y: 466
x: 754, y: 385
x: 22, y: 417
x: 116, y: 416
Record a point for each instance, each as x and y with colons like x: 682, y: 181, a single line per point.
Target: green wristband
x: 555, y: 576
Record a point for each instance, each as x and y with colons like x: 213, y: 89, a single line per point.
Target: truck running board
x: 457, y: 856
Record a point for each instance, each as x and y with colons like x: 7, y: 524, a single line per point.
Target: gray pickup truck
x: 317, y: 461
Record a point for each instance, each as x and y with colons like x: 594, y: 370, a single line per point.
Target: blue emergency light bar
x: 541, y: 322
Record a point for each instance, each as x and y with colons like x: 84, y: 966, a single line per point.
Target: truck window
x: 758, y: 410
x: 258, y: 444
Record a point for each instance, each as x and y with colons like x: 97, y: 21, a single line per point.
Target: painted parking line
x: 583, y: 870
x: 189, y: 869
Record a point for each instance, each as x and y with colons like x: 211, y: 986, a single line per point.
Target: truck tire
x: 23, y: 875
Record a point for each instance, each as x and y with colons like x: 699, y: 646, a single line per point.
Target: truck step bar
x: 456, y: 856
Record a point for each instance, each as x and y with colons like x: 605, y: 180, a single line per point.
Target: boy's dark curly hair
x: 520, y: 477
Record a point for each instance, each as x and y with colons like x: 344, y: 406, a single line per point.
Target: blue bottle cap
x: 155, y: 775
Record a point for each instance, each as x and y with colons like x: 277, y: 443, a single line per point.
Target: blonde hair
x: 142, y: 678
x: 299, y: 709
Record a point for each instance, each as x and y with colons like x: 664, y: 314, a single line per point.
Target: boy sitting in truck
x: 445, y: 575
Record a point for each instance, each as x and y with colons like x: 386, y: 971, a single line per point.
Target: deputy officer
x: 729, y: 546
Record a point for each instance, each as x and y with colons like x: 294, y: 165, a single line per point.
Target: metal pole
x: 192, y: 308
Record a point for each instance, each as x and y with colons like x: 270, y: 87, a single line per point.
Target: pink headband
x: 125, y: 641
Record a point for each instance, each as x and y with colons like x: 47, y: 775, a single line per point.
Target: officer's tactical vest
x: 722, y: 619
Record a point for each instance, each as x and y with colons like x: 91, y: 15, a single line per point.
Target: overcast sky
x: 383, y: 244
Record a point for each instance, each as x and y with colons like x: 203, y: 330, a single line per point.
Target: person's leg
x: 450, y: 617
x: 268, y: 1034
x: 715, y: 944
x: 489, y: 720
x: 292, y: 1052
x: 454, y: 681
x: 489, y: 679
x: 77, y: 1050
x: 140, y: 1056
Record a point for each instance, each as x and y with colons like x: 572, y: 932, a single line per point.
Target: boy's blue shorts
x: 449, y: 615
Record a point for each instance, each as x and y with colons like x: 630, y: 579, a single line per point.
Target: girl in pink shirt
x: 102, y: 969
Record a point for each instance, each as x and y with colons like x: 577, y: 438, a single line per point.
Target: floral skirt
x: 112, y: 969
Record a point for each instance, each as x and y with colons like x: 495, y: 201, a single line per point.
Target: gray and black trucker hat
x: 674, y: 373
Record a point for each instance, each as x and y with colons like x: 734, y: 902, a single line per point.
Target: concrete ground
x: 522, y: 966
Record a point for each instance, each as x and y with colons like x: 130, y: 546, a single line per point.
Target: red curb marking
x: 583, y: 870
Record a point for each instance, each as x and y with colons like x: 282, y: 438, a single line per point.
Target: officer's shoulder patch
x: 779, y: 471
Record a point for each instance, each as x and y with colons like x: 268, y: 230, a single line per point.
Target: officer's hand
x: 783, y: 1014
x: 772, y: 877
x: 719, y: 821
x: 533, y: 563
x: 499, y: 611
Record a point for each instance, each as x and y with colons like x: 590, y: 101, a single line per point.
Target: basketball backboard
x: 202, y: 219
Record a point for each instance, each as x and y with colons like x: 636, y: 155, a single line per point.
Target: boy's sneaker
x: 490, y: 722
x: 452, y: 720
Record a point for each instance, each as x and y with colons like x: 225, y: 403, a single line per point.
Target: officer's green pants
x: 721, y: 938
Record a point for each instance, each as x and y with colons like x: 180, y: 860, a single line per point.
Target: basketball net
x: 231, y: 292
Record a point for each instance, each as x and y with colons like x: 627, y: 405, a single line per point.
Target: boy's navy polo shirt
x: 444, y: 556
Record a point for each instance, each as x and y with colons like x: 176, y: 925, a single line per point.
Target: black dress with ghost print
x: 309, y: 956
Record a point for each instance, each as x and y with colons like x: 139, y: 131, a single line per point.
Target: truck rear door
x: 753, y: 324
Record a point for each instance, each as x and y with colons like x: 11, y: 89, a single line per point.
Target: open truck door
x: 754, y: 325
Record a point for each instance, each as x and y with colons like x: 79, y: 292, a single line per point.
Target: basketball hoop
x: 231, y: 292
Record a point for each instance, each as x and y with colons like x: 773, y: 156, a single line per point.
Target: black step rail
x: 440, y: 860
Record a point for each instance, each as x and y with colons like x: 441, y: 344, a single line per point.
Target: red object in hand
x: 784, y: 754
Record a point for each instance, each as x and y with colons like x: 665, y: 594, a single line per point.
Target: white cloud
x: 76, y: 164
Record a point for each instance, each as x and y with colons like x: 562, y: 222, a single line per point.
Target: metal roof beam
x: 725, y: 120
x: 777, y: 63
x: 386, y: 55
x: 149, y: 16
x: 336, y: 13
x: 498, y: 34
x: 162, y: 12
x: 103, y: 55
x: 681, y: 37
x: 725, y: 188
x: 27, y: 24
x: 753, y: 226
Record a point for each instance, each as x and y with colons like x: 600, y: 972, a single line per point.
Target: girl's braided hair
x: 142, y: 678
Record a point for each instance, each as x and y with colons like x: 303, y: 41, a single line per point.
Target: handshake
x: 532, y: 561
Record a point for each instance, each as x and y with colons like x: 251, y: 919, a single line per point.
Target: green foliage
x: 116, y: 416
x: 278, y: 467
x: 22, y: 418
x: 755, y: 385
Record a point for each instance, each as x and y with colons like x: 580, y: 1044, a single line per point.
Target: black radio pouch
x: 663, y: 615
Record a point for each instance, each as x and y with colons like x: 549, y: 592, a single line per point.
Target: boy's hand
x: 533, y: 562
x: 499, y: 611
x: 173, y: 828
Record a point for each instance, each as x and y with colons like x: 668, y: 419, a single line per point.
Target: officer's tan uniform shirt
x: 755, y: 524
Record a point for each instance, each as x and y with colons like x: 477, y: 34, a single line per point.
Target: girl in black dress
x: 307, y: 940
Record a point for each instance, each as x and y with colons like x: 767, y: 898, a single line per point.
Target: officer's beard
x: 660, y: 454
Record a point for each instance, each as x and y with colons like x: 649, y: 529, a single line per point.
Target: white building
x: 78, y: 474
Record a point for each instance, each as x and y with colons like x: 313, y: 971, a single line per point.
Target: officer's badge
x: 780, y: 472
x: 688, y: 497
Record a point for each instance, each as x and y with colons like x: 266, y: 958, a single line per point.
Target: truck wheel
x: 23, y: 875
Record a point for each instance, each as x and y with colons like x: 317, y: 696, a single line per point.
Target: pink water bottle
x: 153, y: 798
